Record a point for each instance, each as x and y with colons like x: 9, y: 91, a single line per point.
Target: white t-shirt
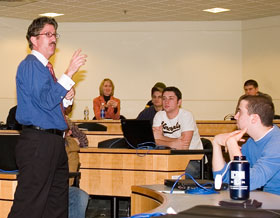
x: 173, y: 128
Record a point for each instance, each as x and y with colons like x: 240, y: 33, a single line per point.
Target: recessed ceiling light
x: 51, y: 14
x: 216, y: 10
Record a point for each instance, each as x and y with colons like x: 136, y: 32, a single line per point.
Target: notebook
x: 138, y: 133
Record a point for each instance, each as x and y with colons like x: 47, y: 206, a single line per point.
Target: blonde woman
x: 111, y: 104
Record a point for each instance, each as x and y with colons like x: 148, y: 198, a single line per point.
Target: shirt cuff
x: 66, y: 82
x: 225, y: 177
x: 67, y: 103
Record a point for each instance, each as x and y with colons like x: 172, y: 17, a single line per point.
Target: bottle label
x: 237, y: 178
x: 102, y: 114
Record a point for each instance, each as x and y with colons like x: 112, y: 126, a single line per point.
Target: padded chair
x: 122, y: 117
x: 76, y: 176
x: 206, y: 168
x: 12, y: 123
x: 7, y: 152
x: 92, y: 126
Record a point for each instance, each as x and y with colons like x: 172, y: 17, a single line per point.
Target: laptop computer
x: 187, y: 184
x: 138, y: 133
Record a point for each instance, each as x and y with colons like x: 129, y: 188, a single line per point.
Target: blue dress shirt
x: 38, y: 96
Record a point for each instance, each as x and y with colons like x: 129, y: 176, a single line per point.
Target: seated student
x: 158, y: 85
x: 175, y: 127
x: 78, y: 199
x: 251, y: 87
x: 150, y: 112
x: 106, y: 99
x: 76, y: 132
x: 262, y: 150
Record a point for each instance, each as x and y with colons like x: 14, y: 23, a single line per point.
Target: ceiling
x: 139, y: 10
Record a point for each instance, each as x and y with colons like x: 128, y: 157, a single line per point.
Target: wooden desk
x: 8, y: 184
x: 112, y: 172
x: 207, y: 129
x: 9, y: 132
x: 210, y: 128
x: 113, y: 126
x: 114, y: 130
x: 94, y: 137
x: 150, y: 198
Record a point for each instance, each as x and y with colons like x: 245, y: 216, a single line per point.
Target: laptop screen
x: 138, y: 133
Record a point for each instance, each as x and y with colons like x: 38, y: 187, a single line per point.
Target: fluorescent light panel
x: 216, y: 10
x: 51, y: 14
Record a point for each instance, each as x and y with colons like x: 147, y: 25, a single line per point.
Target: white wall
x: 261, y: 55
x: 13, y: 48
x: 203, y: 59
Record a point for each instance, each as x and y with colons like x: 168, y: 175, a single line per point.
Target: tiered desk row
x: 8, y: 185
x: 207, y: 129
x: 112, y: 172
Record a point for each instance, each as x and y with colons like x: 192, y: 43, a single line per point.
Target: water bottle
x: 239, y: 177
x: 102, y: 111
x: 86, y: 113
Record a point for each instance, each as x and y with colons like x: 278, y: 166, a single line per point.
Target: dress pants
x: 42, y: 190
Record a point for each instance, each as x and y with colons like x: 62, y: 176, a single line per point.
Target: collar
x: 265, y: 134
x: 40, y: 57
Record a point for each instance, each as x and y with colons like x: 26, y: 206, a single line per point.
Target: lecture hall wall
x: 207, y: 61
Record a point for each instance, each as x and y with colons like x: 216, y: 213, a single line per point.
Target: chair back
x: 207, y: 147
x: 7, y: 152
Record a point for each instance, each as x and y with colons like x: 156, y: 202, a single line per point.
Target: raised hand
x: 76, y: 62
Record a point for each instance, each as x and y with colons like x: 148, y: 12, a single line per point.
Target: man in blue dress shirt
x: 42, y: 189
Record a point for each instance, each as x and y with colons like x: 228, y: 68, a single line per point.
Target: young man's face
x: 242, y: 116
x: 44, y: 44
x: 170, y: 102
x: 157, y: 99
x: 251, y: 90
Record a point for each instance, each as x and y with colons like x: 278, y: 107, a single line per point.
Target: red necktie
x: 49, y: 65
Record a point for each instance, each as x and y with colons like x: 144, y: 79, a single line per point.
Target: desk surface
x: 139, y: 151
x: 181, y: 201
x: 207, y: 129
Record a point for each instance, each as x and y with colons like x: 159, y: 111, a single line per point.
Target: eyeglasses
x: 49, y: 34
